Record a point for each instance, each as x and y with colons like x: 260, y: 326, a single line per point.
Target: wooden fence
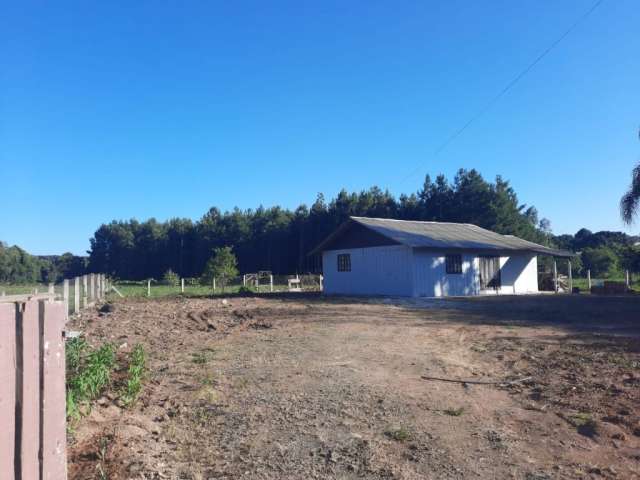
x: 33, y: 428
x: 32, y: 389
x: 76, y: 293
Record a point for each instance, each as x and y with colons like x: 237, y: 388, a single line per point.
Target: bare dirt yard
x: 306, y: 387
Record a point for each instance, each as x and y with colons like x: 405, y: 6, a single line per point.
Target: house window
x: 453, y: 263
x: 344, y: 262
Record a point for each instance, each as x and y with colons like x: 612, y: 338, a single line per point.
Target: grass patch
x: 88, y: 373
x: 584, y: 423
x: 200, y: 358
x: 398, y: 434
x: 208, y: 381
x: 135, y: 375
x: 454, y: 412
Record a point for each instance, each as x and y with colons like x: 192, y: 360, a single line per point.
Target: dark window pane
x: 453, y: 264
x: 344, y: 262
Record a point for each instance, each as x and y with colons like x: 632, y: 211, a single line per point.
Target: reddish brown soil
x: 304, y: 387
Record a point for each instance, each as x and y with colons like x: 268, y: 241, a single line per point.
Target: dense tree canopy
x: 17, y: 266
x: 279, y: 240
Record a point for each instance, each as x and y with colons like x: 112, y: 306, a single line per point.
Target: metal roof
x: 443, y: 235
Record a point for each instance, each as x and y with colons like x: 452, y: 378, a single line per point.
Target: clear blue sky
x: 113, y: 110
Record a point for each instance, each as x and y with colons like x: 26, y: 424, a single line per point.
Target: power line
x: 508, y: 86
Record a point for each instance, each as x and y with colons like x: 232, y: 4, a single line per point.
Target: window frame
x: 453, y: 263
x: 344, y: 262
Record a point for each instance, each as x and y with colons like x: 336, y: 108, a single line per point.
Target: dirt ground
x: 305, y: 387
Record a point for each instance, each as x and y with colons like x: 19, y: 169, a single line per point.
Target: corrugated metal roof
x: 444, y: 235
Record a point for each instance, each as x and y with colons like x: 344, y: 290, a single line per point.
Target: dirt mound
x: 222, y: 320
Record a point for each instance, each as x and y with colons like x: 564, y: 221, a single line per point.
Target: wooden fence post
x: 65, y: 298
x: 53, y: 425
x: 589, y: 279
x: 148, y: 288
x: 85, y: 293
x: 182, y: 285
x: 626, y: 278
x: 570, y: 277
x: 271, y: 283
x: 28, y: 363
x: 76, y: 295
x: 214, y: 284
x: 244, y: 280
x: 8, y: 360
x: 555, y: 275
x: 321, y: 279
x: 32, y: 391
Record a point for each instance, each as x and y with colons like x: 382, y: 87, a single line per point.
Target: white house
x: 375, y: 256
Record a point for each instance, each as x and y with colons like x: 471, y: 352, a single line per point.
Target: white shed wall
x: 519, y: 273
x: 402, y: 271
x: 431, y: 278
x: 374, y: 271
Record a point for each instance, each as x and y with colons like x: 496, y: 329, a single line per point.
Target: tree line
x: 605, y: 254
x: 279, y: 239
x: 18, y: 266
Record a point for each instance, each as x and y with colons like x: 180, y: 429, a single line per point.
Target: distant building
x: 375, y: 256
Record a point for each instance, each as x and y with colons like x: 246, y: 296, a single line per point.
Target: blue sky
x: 114, y: 110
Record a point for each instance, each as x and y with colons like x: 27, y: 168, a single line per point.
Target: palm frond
x: 630, y: 201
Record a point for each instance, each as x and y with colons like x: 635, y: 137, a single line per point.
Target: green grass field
x: 11, y: 289
x: 139, y: 289
x: 581, y: 283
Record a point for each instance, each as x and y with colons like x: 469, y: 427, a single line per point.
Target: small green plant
x: 584, y: 423
x: 454, y: 412
x: 90, y: 373
x: 200, y: 358
x: 171, y: 278
x: 74, y: 349
x: 102, y: 457
x: 245, y: 290
x: 136, y: 371
x: 397, y: 434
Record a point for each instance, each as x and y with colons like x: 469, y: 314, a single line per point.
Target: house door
x: 489, y: 273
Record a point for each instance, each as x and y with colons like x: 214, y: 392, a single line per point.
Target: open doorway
x: 490, y: 273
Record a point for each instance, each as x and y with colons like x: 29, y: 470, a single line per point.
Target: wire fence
x: 76, y: 293
x: 248, y: 283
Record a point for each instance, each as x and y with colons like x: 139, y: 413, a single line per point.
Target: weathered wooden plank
x: 29, y: 394
x: 54, y: 460
x: 26, y: 297
x: 7, y: 387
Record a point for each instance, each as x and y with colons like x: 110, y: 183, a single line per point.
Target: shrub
x: 88, y: 374
x: 171, y: 278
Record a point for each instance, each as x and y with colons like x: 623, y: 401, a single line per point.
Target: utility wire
x: 508, y: 86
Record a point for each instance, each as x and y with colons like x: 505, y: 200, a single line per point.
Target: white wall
x: 374, y: 271
x: 431, y: 278
x: 402, y: 271
x: 519, y: 273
